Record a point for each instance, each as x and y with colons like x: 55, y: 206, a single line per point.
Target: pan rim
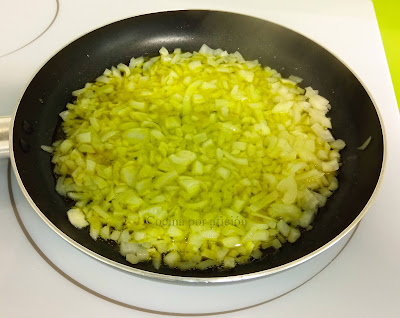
x: 194, y: 279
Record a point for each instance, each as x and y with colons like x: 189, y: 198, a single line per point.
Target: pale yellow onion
x: 196, y: 159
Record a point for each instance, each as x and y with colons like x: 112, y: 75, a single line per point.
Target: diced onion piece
x: 172, y: 259
x: 283, y: 107
x: 115, y: 235
x: 264, y: 201
x: 306, y: 218
x: 365, y: 144
x: 295, y: 79
x: 205, y: 50
x: 164, y: 51
x: 247, y: 75
x: 190, y: 185
x: 338, y: 144
x: 293, y: 235
x: 66, y: 145
x: 197, y: 168
x: 48, y: 149
x: 84, y: 137
x: 323, y: 133
x: 77, y: 218
x: 319, y: 117
x: 230, y: 242
x: 137, y: 105
x: 283, y: 228
x: 223, y: 173
x: 287, y: 212
x: 262, y: 128
x: 124, y: 68
x: 330, y: 166
x: 195, y: 64
x: 183, y: 157
x: 289, y: 187
x: 319, y: 102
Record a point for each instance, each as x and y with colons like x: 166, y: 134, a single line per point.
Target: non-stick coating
x: 354, y: 117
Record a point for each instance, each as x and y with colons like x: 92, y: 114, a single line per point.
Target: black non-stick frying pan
x: 354, y: 119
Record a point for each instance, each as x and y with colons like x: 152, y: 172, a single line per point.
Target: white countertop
x: 363, y: 281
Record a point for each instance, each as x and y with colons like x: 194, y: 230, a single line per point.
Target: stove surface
x: 363, y: 281
x: 26, y: 21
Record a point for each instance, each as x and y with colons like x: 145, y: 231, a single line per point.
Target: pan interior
x: 353, y: 114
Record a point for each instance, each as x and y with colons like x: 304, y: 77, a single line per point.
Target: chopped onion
x: 365, y: 144
x: 77, y: 218
x: 196, y: 159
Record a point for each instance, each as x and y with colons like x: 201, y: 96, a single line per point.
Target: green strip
x: 388, y: 15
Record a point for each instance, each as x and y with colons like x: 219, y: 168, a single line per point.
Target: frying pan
x: 354, y: 118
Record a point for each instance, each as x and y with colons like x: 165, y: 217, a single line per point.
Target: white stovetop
x: 363, y: 281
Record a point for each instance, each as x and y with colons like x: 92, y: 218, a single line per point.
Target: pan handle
x: 4, y: 136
